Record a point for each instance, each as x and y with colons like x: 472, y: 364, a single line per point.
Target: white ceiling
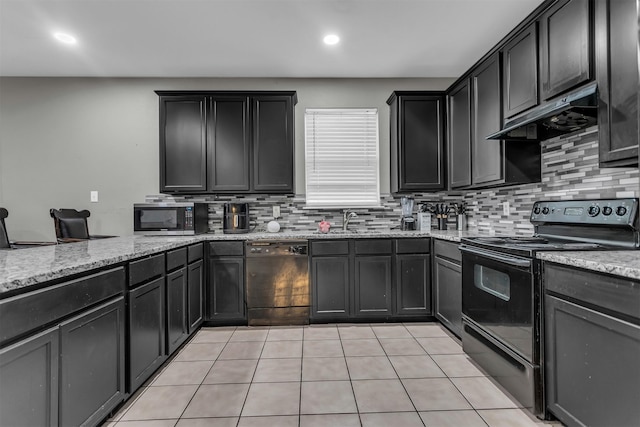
x: 252, y: 38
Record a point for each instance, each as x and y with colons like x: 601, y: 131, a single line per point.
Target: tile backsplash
x: 570, y: 170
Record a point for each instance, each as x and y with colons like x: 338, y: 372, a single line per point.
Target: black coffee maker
x: 236, y: 218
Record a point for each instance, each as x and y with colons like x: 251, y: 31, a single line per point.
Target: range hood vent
x: 574, y: 111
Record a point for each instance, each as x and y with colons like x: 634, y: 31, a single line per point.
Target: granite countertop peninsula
x: 22, y: 268
x: 625, y: 263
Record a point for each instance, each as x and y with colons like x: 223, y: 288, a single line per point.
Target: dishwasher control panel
x: 276, y: 248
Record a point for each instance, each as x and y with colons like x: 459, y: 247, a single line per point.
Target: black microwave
x: 170, y: 219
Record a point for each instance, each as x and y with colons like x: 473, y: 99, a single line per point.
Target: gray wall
x: 60, y: 138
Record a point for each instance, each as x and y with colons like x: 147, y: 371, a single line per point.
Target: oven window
x: 492, y: 281
x: 159, y: 218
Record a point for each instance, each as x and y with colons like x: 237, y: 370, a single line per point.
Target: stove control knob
x: 593, y: 210
x: 621, y: 210
x: 607, y: 210
x: 545, y: 210
x: 536, y: 210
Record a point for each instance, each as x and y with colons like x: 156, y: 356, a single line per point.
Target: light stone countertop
x: 619, y: 263
x: 21, y: 268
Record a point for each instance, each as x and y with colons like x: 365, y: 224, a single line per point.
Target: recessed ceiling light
x: 65, y: 38
x: 331, y: 39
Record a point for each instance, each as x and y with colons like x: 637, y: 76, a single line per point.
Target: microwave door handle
x: 235, y: 221
x: 515, y: 262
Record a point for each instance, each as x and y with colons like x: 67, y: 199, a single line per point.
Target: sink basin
x: 345, y: 232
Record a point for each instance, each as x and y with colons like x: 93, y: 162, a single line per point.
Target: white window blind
x: 342, y: 157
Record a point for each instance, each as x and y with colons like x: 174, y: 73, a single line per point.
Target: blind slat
x: 342, y: 160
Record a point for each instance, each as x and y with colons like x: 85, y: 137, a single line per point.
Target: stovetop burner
x: 527, y: 246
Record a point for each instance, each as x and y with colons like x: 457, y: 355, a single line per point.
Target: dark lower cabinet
x: 565, y: 47
x: 29, y: 381
x: 92, y: 364
x: 413, y: 296
x: 177, y: 322
x: 372, y: 286
x: 146, y: 330
x: 195, y: 277
x: 617, y: 74
x: 447, y: 285
x: 330, y: 287
x: 225, y: 290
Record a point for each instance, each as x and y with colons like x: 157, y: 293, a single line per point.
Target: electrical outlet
x: 94, y: 197
x: 505, y: 208
x: 276, y: 211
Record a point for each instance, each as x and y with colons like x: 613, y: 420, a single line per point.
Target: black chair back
x: 70, y: 223
x: 4, y: 237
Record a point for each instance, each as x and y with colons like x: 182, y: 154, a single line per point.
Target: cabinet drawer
x: 145, y: 269
x: 373, y: 246
x: 413, y: 246
x: 447, y: 250
x: 330, y: 247
x: 23, y: 313
x: 194, y: 252
x: 176, y: 259
x: 226, y: 248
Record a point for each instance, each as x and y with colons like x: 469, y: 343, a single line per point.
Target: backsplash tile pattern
x: 570, y: 170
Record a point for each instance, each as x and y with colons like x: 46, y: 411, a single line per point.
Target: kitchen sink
x: 346, y: 232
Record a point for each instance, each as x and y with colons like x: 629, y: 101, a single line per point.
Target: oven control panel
x: 614, y: 212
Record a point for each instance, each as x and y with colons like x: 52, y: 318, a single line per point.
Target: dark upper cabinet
x: 459, y: 128
x: 617, y: 74
x: 417, y: 141
x: 520, y: 62
x: 487, y: 154
x: 183, y: 144
x: 226, y: 142
x: 273, y: 143
x: 229, y: 143
x: 565, y: 47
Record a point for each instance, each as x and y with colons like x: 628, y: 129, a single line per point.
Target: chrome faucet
x: 346, y: 217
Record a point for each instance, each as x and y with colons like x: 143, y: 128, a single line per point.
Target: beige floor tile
x: 272, y: 399
x: 241, y: 350
x: 231, y: 372
x: 370, y: 368
x: 327, y: 397
x: 416, y: 367
x: 278, y: 370
x: 183, y: 373
x: 249, y: 334
x: 203, y: 351
x: 282, y: 349
x: 431, y: 394
x: 404, y: 419
x: 217, y: 400
x: 285, y: 333
x: 362, y: 347
x: 507, y: 418
x: 457, y: 365
x: 321, y: 332
x: 209, y: 335
x: 391, y: 331
x: 324, y: 369
x: 330, y: 420
x: 483, y: 394
x: 322, y: 348
x: 381, y: 396
x: 147, y: 423
x: 161, y: 403
x: 271, y: 421
x: 452, y: 419
x: 420, y: 330
x: 129, y: 403
x: 354, y: 332
x: 208, y: 422
x: 401, y: 347
x: 440, y: 345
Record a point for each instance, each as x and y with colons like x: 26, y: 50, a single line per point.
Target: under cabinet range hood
x: 568, y: 113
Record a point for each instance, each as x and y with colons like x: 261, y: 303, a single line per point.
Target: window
x: 342, y: 157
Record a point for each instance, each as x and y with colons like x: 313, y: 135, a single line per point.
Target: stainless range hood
x: 568, y: 113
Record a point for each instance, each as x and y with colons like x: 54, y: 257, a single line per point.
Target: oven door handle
x: 513, y: 261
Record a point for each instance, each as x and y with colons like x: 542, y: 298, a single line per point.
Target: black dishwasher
x: 277, y: 282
